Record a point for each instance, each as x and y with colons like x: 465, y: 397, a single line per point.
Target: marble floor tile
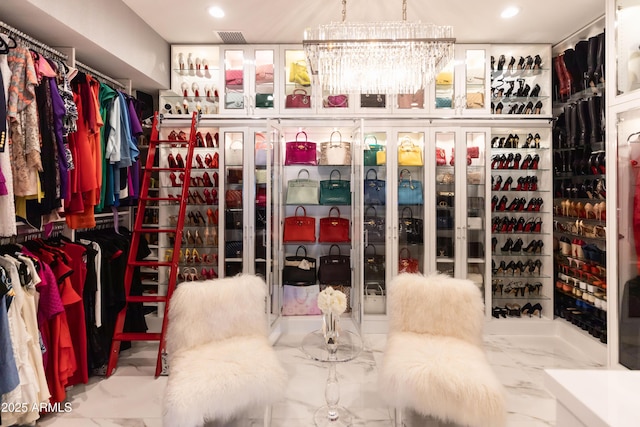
x: 132, y: 397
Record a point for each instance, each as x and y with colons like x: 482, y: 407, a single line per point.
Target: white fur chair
x: 434, y: 363
x: 220, y: 361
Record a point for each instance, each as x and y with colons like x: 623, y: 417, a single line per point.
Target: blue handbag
x: 409, y: 191
x: 374, y: 190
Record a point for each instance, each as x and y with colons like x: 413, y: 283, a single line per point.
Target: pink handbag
x: 234, y: 77
x: 337, y: 101
x: 300, y: 300
x: 301, y: 152
x: 298, y: 99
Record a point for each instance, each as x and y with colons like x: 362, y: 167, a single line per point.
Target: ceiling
x: 284, y: 21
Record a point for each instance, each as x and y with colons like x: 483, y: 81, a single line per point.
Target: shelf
x: 517, y: 73
x: 560, y: 291
x: 527, y: 297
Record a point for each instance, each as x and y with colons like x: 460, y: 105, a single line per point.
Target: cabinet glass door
x: 375, y: 220
x: 263, y: 155
x: 411, y: 212
x: 445, y: 93
x: 445, y: 202
x: 475, y: 231
x: 627, y: 47
x: 233, y: 202
x: 263, y: 82
x: 475, y: 68
x: 297, y: 83
x: 234, y: 76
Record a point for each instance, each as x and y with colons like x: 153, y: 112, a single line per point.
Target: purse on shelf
x: 234, y: 176
x: 299, y: 228
x: 233, y: 198
x: 334, y: 269
x: 302, y: 191
x: 233, y: 154
x: 261, y: 197
x: 371, y: 152
x: 346, y: 290
x: 300, y: 300
x: 261, y: 219
x: 374, y: 189
x: 444, y: 78
x: 475, y: 100
x: 375, y: 301
x: 444, y: 221
x: 298, y: 99
x: 445, y: 199
x: 261, y: 176
x: 407, y: 264
x: 374, y: 226
x: 262, y: 147
x: 373, y: 101
x: 335, y: 152
x: 409, y: 154
x: 336, y: 101
x: 334, y: 229
x: 444, y: 247
x: 441, y: 157
x: 233, y: 249
x: 264, y: 74
x: 475, y: 250
x: 335, y: 191
x: 409, y: 191
x: 261, y: 245
x: 234, y: 100
x: 234, y: 77
x: 298, y: 73
x: 374, y: 267
x: 301, y: 152
x: 411, y: 100
x: 233, y: 220
x: 264, y: 100
x: 410, y: 229
x: 299, y: 269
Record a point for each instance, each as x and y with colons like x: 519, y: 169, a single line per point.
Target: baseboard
x: 588, y: 345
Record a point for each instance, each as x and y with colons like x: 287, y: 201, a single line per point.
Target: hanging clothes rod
x: 30, y: 41
x: 97, y: 74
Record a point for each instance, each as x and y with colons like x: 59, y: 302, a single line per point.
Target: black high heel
x: 501, y: 62
x: 538, y: 108
x: 499, y: 108
x: 531, y: 247
x: 498, y: 183
x: 493, y: 62
x: 517, y: 246
x: 521, y: 63
x: 535, y: 91
x: 513, y: 109
x: 494, y: 243
x: 509, y: 91
x: 529, y: 108
x: 507, y: 246
x: 512, y: 62
x: 537, y: 62
x: 525, y: 91
x: 516, y: 161
x: 529, y: 65
x: 506, y: 186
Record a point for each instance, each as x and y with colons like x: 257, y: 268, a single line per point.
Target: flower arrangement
x: 331, y: 301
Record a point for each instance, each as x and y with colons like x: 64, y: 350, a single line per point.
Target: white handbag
x: 335, y: 152
x: 261, y: 176
x: 375, y: 301
x: 233, y: 155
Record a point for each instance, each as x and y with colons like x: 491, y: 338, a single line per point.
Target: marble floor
x: 132, y: 397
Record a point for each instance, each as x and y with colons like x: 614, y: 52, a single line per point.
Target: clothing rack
x: 98, y: 75
x: 26, y: 232
x: 32, y: 43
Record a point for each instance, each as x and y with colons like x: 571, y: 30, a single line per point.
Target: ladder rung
x: 137, y: 336
x: 151, y: 263
x: 155, y: 230
x: 146, y: 298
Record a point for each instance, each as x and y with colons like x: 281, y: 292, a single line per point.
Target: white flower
x: 332, y: 301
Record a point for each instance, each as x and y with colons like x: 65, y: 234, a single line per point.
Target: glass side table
x: 348, y: 348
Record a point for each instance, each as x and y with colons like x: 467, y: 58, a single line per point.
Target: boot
x: 595, y: 119
x: 559, y: 132
x: 583, y: 127
x: 592, y: 60
x: 600, y: 59
x: 569, y: 125
x: 572, y: 67
x: 582, y: 50
x: 565, y: 86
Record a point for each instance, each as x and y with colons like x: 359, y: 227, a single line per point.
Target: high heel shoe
x: 172, y: 162
x: 206, y: 180
x: 173, y: 178
x: 501, y: 62
x: 499, y: 108
x: 517, y: 246
x: 180, y: 161
x: 498, y: 183
x: 210, y: 217
x: 507, y: 245
x: 537, y: 109
x: 535, y: 92
x: 516, y: 161
x: 198, y: 198
x: 208, y: 198
x: 199, y: 161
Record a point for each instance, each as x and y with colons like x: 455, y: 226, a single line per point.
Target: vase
x: 330, y: 330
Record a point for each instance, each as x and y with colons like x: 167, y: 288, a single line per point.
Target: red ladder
x: 132, y: 263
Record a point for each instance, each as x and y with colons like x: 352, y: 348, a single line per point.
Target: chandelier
x: 377, y: 57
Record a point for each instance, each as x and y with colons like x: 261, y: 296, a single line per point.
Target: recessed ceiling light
x: 216, y: 12
x: 510, y: 12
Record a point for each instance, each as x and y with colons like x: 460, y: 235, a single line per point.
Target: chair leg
x: 267, y: 416
x: 397, y: 417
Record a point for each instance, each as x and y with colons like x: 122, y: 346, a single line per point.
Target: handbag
x: 261, y: 150
x: 233, y: 249
x: 301, y: 152
x: 261, y: 176
x: 410, y: 229
x: 444, y: 78
x: 444, y: 199
x: 233, y: 198
x: 298, y: 99
x: 346, y: 290
x: 233, y: 154
x: 444, y: 221
x: 298, y: 73
x: 233, y: 220
x: 375, y: 301
x: 409, y: 154
x: 374, y: 226
x: 336, y: 101
x: 371, y: 152
x: 335, y: 191
x: 264, y: 74
x: 234, y: 100
x: 475, y: 250
x: 334, y: 229
x: 475, y: 100
x: 406, y: 264
x: 411, y: 100
x: 441, y: 157
x: 335, y: 152
x: 373, y: 101
x: 261, y: 219
x: 264, y: 100
x: 299, y: 269
x: 302, y: 191
x: 334, y: 269
x: 234, y: 77
x: 374, y: 190
x: 409, y: 191
x: 261, y: 197
x: 444, y: 247
x: 299, y: 228
x: 234, y: 176
x: 261, y: 245
x: 300, y: 300
x: 374, y: 267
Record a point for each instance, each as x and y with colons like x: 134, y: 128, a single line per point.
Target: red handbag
x: 299, y: 228
x: 261, y: 197
x: 406, y: 263
x: 233, y: 198
x: 337, y: 101
x: 441, y: 158
x: 298, y: 99
x: 334, y: 229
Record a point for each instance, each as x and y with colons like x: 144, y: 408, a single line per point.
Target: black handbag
x: 374, y: 226
x: 475, y: 250
x: 444, y: 247
x: 374, y: 267
x: 373, y: 101
x: 410, y: 228
x: 233, y: 220
x: 261, y: 248
x: 444, y: 221
x: 374, y: 190
x: 261, y: 218
x: 299, y: 269
x: 444, y: 199
x: 233, y: 249
x: 335, y: 269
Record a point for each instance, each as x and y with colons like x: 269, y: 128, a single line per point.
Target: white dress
x: 7, y: 206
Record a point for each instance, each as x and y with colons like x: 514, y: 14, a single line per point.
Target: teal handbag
x: 371, y: 153
x: 335, y: 191
x: 409, y: 191
x: 264, y: 100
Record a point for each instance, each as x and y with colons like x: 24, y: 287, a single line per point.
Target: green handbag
x: 302, y: 191
x: 264, y: 100
x: 335, y: 191
x: 371, y: 153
